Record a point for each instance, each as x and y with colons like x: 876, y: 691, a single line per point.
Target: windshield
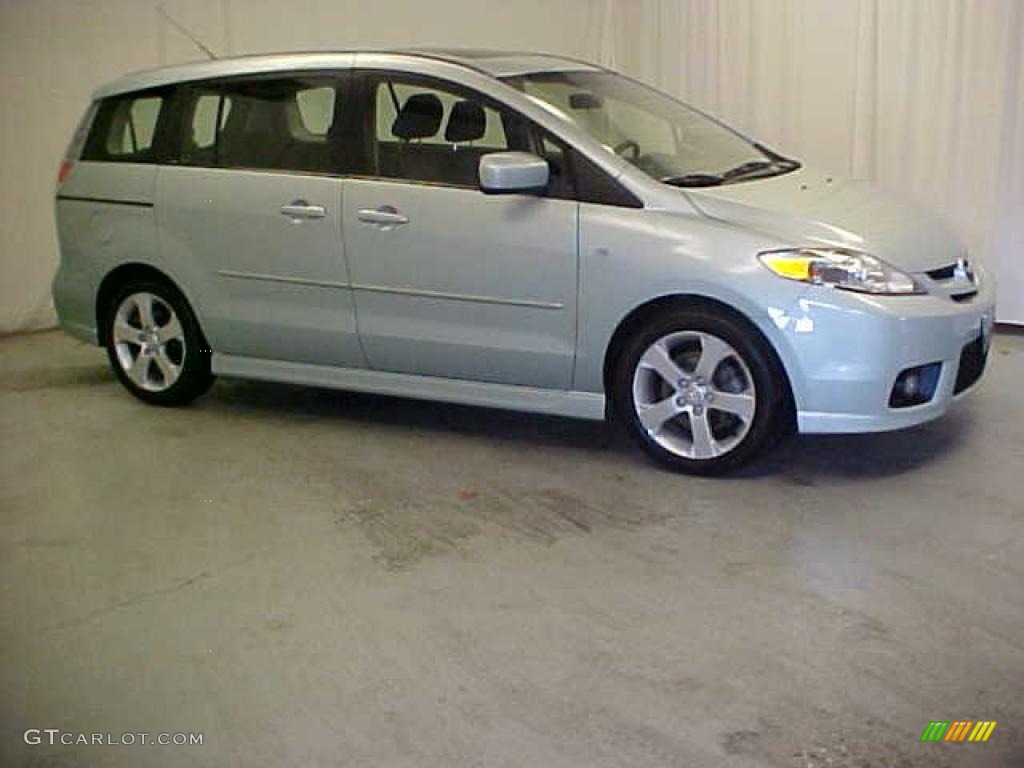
x: 664, y: 138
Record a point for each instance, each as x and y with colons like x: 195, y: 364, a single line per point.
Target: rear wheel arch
x: 647, y: 312
x: 122, y: 275
x: 153, y: 339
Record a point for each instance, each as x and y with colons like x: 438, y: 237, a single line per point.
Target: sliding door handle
x: 385, y: 216
x: 300, y: 209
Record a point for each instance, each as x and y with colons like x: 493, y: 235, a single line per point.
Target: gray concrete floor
x: 314, y: 578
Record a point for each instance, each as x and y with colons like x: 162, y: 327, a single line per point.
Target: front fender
x: 629, y: 258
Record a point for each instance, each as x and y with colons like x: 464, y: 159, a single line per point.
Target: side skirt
x: 579, y: 405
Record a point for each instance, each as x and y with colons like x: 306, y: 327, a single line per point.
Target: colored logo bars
x: 958, y: 730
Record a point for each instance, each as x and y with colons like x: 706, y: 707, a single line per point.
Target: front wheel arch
x: 646, y: 312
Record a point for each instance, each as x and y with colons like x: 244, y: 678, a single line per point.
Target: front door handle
x: 386, y: 216
x: 300, y: 209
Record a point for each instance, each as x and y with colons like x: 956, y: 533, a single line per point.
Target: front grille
x: 972, y: 365
x: 956, y: 281
x: 946, y: 273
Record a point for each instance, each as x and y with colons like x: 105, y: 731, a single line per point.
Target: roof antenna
x: 185, y: 32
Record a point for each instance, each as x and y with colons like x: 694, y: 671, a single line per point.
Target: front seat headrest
x: 467, y: 122
x: 419, y: 117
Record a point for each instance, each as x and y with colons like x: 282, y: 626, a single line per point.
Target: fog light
x: 915, y: 386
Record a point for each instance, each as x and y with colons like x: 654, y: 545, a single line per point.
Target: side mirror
x: 507, y: 173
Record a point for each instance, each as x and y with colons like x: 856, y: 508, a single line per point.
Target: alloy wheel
x: 694, y: 395
x: 149, y: 341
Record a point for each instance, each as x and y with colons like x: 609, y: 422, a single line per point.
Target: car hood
x: 809, y: 207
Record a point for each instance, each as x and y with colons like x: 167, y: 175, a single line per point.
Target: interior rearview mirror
x: 513, y: 172
x: 585, y: 100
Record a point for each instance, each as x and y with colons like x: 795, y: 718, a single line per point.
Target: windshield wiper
x: 745, y: 169
x: 694, y: 180
x: 776, y: 164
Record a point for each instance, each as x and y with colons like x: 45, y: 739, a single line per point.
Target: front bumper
x: 845, y: 351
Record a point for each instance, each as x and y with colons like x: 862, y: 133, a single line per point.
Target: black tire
x: 192, y: 351
x: 772, y: 411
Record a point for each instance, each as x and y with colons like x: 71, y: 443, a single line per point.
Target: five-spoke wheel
x: 155, y: 345
x: 694, y: 394
x: 149, y: 340
x: 700, y: 389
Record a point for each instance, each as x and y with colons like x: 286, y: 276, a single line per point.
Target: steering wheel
x: 629, y: 144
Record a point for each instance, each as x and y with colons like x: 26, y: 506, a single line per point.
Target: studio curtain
x: 53, y: 53
x: 925, y: 97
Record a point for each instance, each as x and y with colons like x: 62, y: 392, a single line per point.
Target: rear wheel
x: 155, y: 345
x: 699, y: 390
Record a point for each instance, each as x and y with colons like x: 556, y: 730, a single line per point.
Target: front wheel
x: 699, y: 390
x: 155, y: 345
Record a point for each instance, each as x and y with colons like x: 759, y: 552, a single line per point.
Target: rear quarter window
x: 127, y: 129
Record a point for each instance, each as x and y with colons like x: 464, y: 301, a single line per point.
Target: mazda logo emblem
x: 963, y: 270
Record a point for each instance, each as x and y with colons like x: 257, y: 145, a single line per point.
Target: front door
x: 448, y: 281
x: 255, y: 209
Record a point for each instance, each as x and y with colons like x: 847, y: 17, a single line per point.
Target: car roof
x: 504, y: 63
x: 488, y: 62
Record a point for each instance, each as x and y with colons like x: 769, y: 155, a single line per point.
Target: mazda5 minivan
x: 507, y: 230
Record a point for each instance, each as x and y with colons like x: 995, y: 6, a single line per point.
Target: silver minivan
x: 506, y: 230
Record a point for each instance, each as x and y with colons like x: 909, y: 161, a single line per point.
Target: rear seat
x: 253, y: 128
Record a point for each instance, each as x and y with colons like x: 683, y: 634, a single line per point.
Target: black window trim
x: 588, y: 182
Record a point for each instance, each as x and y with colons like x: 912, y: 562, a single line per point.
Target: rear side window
x: 281, y: 124
x: 207, y: 113
x: 205, y: 119
x: 128, y: 129
x: 316, y: 109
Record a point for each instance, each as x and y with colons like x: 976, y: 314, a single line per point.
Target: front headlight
x: 840, y: 268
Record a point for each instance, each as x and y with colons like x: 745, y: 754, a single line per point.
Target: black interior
x: 262, y: 129
x: 419, y: 117
x: 467, y: 122
x: 455, y: 161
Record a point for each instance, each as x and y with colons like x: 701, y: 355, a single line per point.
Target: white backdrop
x: 926, y: 96
x: 922, y: 96
x: 53, y: 53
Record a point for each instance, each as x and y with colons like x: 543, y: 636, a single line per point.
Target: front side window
x: 665, y: 138
x: 425, y: 130
x: 428, y: 131
x: 262, y: 124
